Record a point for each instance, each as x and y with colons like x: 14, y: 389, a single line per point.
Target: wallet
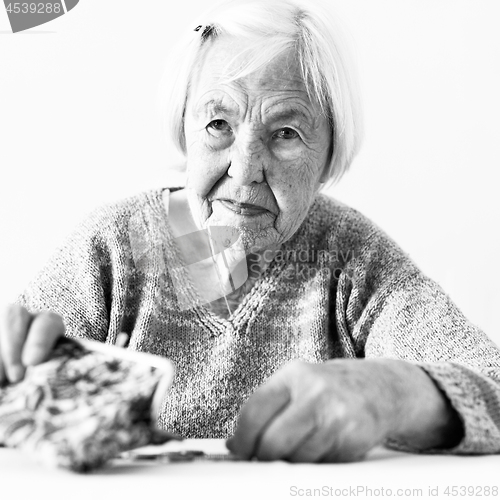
x: 85, y: 405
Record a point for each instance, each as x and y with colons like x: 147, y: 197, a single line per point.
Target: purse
x: 85, y: 405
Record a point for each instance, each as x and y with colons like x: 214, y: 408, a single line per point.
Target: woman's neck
x: 215, y: 269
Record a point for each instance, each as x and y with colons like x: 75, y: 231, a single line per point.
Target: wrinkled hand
x: 26, y: 339
x: 337, y: 411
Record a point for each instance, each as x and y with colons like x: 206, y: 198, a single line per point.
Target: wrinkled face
x: 256, y: 147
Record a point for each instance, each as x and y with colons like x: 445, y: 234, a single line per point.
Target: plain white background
x: 80, y: 127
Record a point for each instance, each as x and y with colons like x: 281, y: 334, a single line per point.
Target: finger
x: 159, y: 436
x: 3, y: 376
x: 122, y: 339
x: 268, y: 401
x: 46, y: 329
x: 343, y: 453
x: 13, y: 331
x: 339, y: 442
x: 320, y: 445
x: 286, y: 432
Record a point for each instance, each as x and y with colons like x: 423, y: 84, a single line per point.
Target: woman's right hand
x: 26, y: 339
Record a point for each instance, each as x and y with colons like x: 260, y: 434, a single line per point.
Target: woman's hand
x: 26, y: 339
x: 337, y: 411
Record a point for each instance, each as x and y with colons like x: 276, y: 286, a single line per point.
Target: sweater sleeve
x: 76, y: 282
x: 389, y: 309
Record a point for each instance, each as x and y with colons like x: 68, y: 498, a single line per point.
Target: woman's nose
x: 247, y: 163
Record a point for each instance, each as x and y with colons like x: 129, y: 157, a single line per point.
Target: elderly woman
x: 298, y: 329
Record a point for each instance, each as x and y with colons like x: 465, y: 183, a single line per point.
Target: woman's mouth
x: 243, y: 208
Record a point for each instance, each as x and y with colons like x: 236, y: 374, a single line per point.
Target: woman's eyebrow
x: 215, y: 107
x: 289, y: 114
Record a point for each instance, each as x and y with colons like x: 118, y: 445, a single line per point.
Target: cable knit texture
x: 340, y: 288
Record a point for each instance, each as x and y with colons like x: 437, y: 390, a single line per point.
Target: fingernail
x: 28, y: 358
x: 15, y: 373
x: 122, y: 339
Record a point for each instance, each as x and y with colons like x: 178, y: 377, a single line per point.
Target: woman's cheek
x: 294, y: 181
x: 204, y: 169
x: 294, y: 189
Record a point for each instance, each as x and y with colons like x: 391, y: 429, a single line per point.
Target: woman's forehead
x: 227, y: 57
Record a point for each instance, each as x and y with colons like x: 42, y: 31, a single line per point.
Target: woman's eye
x: 219, y: 126
x: 286, y: 134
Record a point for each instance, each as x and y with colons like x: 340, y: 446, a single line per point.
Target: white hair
x: 271, y: 27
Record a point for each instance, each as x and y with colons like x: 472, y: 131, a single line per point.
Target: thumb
x: 46, y: 328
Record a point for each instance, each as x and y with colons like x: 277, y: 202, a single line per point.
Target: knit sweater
x: 339, y: 288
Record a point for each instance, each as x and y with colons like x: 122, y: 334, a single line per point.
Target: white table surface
x: 23, y: 478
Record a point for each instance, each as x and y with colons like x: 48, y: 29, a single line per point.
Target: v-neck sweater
x: 339, y: 288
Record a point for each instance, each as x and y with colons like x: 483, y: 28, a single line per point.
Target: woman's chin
x: 252, y: 239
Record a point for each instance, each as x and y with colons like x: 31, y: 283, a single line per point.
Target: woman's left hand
x: 338, y: 410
